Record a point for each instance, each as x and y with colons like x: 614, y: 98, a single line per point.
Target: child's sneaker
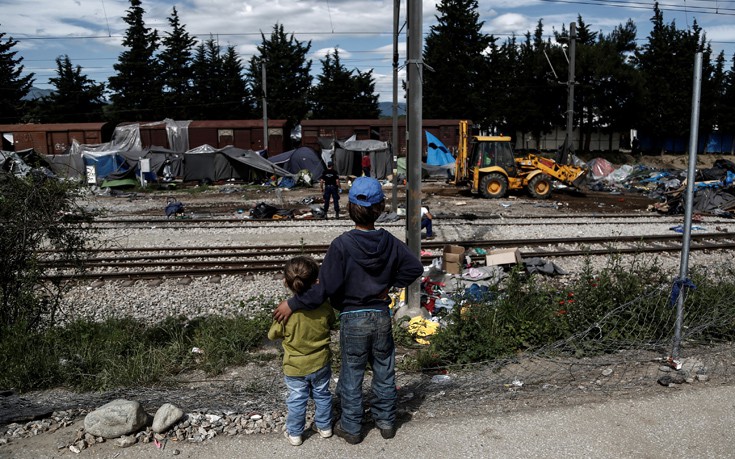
x: 294, y: 440
x: 324, y: 433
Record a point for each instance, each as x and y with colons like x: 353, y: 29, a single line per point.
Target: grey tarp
x: 68, y: 165
x: 158, y: 157
x: 11, y: 162
x: 351, y: 151
x: 205, y: 163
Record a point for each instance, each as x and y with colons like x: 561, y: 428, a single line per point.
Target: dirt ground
x: 449, y: 200
x: 444, y: 198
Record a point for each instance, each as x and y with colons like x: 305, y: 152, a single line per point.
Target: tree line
x: 517, y: 85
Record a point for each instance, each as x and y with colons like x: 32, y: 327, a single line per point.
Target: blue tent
x: 437, y: 154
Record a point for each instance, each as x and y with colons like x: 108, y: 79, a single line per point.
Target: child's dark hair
x: 365, y: 215
x: 300, y: 273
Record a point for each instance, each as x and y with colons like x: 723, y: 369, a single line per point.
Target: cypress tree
x: 288, y: 75
x: 454, y: 71
x: 77, y: 99
x: 137, y: 86
x: 13, y: 86
x: 342, y: 94
x: 176, y: 73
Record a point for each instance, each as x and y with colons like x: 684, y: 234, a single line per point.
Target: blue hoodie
x: 357, y: 271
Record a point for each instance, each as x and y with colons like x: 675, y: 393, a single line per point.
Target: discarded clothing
x: 680, y: 228
x: 677, y: 287
x: 539, y: 265
x: 421, y: 328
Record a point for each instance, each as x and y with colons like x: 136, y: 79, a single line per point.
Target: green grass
x: 123, y: 352
x: 615, y: 308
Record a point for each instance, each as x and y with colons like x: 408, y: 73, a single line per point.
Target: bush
x: 36, y: 213
x: 619, y: 307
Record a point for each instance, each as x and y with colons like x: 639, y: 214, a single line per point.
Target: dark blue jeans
x: 331, y: 191
x: 366, y: 337
x: 426, y: 223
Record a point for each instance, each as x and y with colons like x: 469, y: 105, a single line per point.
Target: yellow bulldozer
x: 488, y: 165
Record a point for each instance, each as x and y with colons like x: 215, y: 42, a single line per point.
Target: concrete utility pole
x: 265, y: 105
x: 570, y: 93
x: 415, y: 94
x: 394, y: 136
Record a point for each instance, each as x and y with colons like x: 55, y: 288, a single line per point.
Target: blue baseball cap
x: 366, y: 191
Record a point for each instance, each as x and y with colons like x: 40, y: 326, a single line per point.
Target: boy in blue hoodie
x: 359, y: 268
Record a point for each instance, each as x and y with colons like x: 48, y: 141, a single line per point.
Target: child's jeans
x: 299, y: 389
x: 366, y: 337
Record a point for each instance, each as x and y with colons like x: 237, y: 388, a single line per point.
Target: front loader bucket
x: 577, y: 182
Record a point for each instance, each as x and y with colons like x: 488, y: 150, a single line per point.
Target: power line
x: 715, y: 10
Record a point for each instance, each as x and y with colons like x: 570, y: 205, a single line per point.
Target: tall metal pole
x: 394, y: 136
x: 570, y: 93
x: 689, y: 204
x: 415, y: 93
x: 265, y: 105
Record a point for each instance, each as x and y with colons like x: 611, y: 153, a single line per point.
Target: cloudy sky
x: 90, y: 31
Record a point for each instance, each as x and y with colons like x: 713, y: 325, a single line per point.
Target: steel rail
x: 650, y: 244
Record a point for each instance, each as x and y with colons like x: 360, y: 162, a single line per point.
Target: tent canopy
x: 300, y: 159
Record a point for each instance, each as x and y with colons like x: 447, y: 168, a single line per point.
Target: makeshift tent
x: 439, y: 161
x: 11, y: 162
x: 67, y: 165
x: 327, y: 144
x: 348, y: 157
x: 436, y: 153
x: 208, y: 164
x: 300, y: 159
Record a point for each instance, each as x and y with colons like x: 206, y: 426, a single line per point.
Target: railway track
x: 147, y: 263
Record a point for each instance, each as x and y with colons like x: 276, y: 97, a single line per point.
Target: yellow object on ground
x: 420, y: 328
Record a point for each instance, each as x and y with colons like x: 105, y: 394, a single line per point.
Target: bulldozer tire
x: 493, y: 186
x: 540, y: 186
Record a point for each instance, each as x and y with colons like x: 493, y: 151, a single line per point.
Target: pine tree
x: 237, y: 103
x: 340, y: 94
x: 13, y: 86
x: 727, y: 118
x: 536, y: 101
x: 453, y: 83
x: 616, y: 82
x: 176, y: 73
x: 137, y: 87
x: 288, y: 77
x: 77, y: 99
x: 219, y: 89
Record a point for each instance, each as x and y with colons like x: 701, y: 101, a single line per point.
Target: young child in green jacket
x: 306, y: 355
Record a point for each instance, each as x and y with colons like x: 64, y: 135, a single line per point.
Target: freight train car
x: 51, y: 139
x: 445, y: 130
x: 245, y: 134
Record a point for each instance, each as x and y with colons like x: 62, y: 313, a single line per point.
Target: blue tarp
x: 437, y: 154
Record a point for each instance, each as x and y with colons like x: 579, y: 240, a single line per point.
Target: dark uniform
x: 330, y: 186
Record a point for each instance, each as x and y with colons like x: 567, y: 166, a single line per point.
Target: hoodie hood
x: 370, y: 249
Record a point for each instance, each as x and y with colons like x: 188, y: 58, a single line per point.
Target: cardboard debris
x: 453, y: 259
x: 503, y: 257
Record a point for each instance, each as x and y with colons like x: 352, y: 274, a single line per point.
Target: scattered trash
x: 196, y: 350
x: 680, y: 228
x: 607, y: 372
x: 440, y: 379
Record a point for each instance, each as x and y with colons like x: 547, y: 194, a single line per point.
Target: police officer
x: 330, y: 186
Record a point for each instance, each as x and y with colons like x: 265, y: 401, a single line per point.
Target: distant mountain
x: 37, y: 93
x: 386, y: 108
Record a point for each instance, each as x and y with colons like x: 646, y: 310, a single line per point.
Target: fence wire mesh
x: 625, y: 348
